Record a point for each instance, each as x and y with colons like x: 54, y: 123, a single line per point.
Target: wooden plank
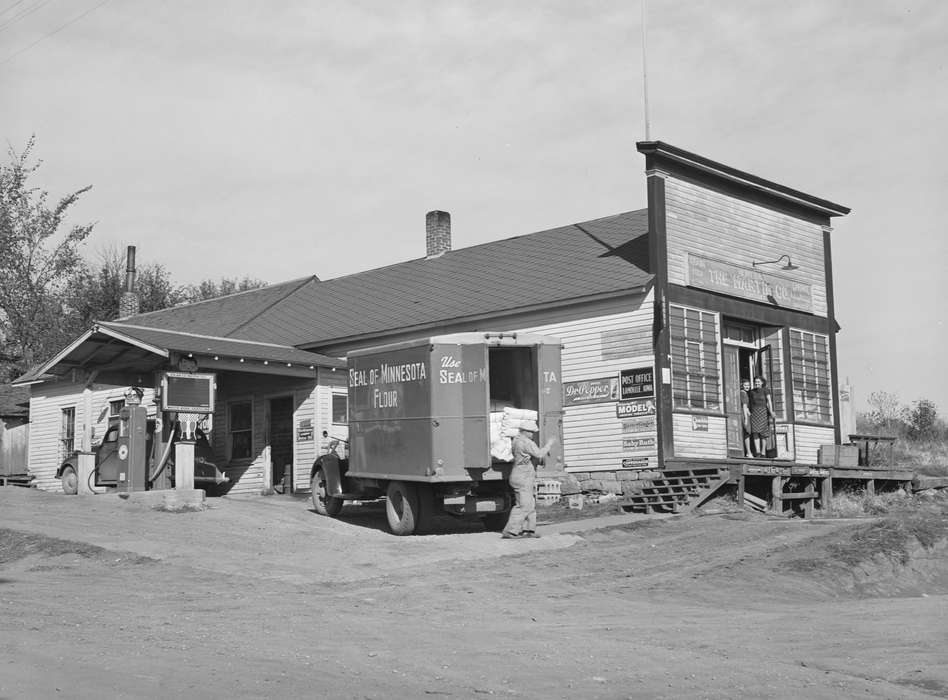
x: 751, y: 498
x: 797, y: 496
x: 862, y: 473
x: 923, y: 483
x: 776, y: 489
x: 826, y: 494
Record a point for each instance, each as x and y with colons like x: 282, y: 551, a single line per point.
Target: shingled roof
x: 565, y: 265
x: 222, y: 316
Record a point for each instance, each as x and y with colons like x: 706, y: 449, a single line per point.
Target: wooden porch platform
x: 794, y: 487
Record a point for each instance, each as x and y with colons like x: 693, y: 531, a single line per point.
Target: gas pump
x: 132, y: 440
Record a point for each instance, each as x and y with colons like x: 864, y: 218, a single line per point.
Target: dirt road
x: 260, y: 597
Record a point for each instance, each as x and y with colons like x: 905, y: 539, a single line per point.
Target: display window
x: 696, y: 369
x: 810, y: 377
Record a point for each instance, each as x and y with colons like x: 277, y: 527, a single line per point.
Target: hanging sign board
x: 187, y: 392
x: 749, y: 283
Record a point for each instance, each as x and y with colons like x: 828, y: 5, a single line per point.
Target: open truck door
x: 550, y: 402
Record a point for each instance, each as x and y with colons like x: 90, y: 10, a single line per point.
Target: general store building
x: 661, y: 312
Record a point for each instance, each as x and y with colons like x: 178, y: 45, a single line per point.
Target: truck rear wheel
x: 322, y: 502
x: 70, y: 481
x: 402, y: 507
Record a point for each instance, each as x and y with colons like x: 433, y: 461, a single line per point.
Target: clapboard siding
x: 808, y: 440
x: 592, y: 434
x: 304, y: 451
x: 46, y: 404
x: 709, y: 444
x: 715, y: 225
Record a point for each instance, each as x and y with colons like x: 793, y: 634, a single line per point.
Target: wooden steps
x: 677, y: 490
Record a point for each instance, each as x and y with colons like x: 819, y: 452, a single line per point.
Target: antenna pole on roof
x: 645, y: 68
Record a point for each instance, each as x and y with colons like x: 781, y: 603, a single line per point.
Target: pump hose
x: 164, y: 455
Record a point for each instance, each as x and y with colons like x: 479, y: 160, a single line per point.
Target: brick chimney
x: 438, y: 233
x: 128, y: 302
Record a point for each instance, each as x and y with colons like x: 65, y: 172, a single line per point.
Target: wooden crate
x: 839, y: 456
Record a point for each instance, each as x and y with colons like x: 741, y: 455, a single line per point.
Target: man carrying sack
x: 523, y: 516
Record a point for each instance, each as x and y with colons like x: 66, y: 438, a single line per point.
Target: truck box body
x: 418, y: 411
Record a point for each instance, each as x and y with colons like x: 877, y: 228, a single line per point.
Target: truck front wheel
x: 322, y: 502
x: 70, y: 481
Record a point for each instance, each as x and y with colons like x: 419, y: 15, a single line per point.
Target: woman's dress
x: 760, y: 416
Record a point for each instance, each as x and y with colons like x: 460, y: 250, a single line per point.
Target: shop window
x: 240, y: 429
x: 67, y: 431
x: 115, y: 407
x: 340, y: 409
x: 810, y: 376
x: 696, y: 370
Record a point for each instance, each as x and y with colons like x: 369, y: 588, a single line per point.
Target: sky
x: 284, y: 139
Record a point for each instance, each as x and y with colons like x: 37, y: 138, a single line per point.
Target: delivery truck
x: 420, y: 426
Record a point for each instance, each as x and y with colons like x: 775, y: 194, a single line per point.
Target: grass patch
x: 927, y: 457
x: 853, y: 504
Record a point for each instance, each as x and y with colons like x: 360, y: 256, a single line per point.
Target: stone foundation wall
x: 622, y: 482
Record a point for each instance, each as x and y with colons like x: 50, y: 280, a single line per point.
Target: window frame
x: 332, y: 408
x: 67, y: 431
x: 707, y: 380
x: 112, y: 406
x: 806, y: 373
x: 248, y: 430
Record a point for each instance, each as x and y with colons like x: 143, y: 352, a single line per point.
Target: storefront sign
x: 632, y: 409
x: 590, y: 391
x: 639, y: 425
x: 699, y: 423
x: 640, y: 443
x: 748, y: 283
x: 636, y: 383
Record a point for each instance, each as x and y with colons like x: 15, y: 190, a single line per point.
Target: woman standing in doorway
x: 761, y: 413
x: 746, y: 417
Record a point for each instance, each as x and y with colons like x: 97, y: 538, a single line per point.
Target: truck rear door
x: 550, y: 402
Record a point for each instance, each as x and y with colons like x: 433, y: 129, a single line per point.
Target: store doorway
x: 747, y: 353
x: 280, y: 431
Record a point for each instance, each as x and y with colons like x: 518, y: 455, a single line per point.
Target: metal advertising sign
x: 635, y: 408
x: 639, y: 425
x: 639, y: 443
x: 602, y: 390
x: 636, y: 383
x: 635, y: 463
x: 749, y: 283
x: 699, y: 423
x: 304, y: 431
